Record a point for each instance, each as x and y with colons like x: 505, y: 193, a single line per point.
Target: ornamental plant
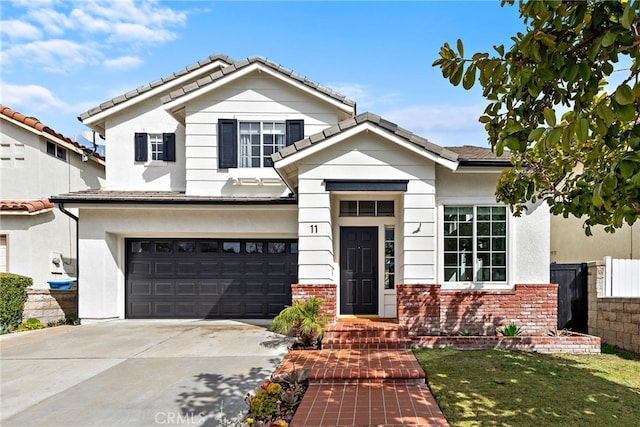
x: 13, y: 295
x: 277, y: 400
x: 306, y: 319
x: 510, y: 330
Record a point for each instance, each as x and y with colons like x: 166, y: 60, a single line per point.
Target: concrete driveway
x: 134, y: 373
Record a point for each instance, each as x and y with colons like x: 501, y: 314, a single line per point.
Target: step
x: 339, y: 343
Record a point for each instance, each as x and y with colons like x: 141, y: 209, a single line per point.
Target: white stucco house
x: 37, y: 239
x: 235, y: 187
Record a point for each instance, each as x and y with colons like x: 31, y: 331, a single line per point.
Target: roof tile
x: 39, y: 126
x: 25, y: 205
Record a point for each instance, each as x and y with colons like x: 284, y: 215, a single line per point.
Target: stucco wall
x: 32, y: 238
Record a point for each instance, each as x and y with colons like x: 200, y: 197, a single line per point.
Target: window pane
x: 498, y: 260
x: 348, y: 208
x: 465, y: 245
x: 466, y: 229
x: 209, y: 247
x: 386, y: 208
x: 186, y: 246
x: 294, y: 247
x: 367, y: 208
x: 450, y: 244
x: 499, y: 228
x: 51, y: 148
x: 483, y: 243
x: 484, y: 214
x: 163, y: 247
x: 253, y: 247
x: 499, y: 275
x: 231, y: 247
x: 498, y: 244
x: 140, y: 247
x: 484, y: 228
x: 450, y: 259
x: 499, y: 213
x: 277, y: 247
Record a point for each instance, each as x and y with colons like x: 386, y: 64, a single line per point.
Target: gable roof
x: 374, y: 119
x: 37, y: 127
x: 238, y: 67
x: 283, y: 159
x: 165, y: 81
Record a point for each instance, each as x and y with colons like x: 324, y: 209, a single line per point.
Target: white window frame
x: 266, y: 127
x: 473, y: 284
x: 155, y: 143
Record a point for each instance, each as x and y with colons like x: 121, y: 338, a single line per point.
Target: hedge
x: 13, y: 295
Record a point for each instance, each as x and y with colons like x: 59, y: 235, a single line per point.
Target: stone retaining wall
x: 49, y: 305
x: 615, y: 319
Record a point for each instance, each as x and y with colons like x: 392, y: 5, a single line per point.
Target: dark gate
x: 572, y: 295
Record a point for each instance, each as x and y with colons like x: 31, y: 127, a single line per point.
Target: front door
x: 359, y: 270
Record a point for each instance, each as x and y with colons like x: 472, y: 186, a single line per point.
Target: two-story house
x: 235, y: 187
x: 36, y: 239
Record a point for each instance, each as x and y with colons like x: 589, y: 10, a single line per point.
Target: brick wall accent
x: 429, y: 310
x: 615, y: 319
x: 49, y: 305
x: 326, y: 291
x: 575, y: 343
x: 418, y: 307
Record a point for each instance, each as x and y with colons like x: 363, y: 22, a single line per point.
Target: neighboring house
x: 36, y: 239
x: 569, y: 244
x: 234, y: 187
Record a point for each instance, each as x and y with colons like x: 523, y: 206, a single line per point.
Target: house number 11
x: 314, y: 228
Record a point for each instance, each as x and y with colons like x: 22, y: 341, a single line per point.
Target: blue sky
x: 58, y: 58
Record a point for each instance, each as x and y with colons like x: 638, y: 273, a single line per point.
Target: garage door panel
x: 208, y: 288
x: 209, y: 278
x: 164, y: 268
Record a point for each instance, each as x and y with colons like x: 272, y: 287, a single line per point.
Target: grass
x: 502, y: 388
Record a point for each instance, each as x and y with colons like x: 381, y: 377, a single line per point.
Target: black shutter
x: 141, y: 147
x: 169, y: 147
x: 295, y: 131
x: 227, y: 143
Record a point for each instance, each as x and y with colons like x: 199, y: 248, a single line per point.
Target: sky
x: 60, y: 58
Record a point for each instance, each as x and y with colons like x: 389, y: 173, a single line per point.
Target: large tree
x: 574, y: 136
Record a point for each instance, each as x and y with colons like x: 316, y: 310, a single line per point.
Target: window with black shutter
x: 160, y: 147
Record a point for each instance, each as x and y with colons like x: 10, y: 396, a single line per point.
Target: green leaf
x: 610, y: 184
x: 456, y: 76
x: 550, y: 116
x: 626, y: 168
x: 596, y: 198
x: 460, y: 48
x: 582, y: 130
x: 535, y: 134
x: 554, y: 136
x: 608, y: 39
x: 624, y: 95
x: 469, y: 77
x: 628, y: 15
x: 605, y: 113
x: 500, y: 49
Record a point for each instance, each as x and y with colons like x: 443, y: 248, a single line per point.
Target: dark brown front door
x: 358, y: 270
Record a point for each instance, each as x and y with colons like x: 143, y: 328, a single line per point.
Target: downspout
x: 75, y: 218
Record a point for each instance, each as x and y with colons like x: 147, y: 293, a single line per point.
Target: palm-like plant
x: 307, y: 320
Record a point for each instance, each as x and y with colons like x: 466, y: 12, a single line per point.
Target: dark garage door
x: 209, y: 278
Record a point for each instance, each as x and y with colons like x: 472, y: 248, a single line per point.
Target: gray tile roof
x: 239, y: 65
x: 160, y: 197
x: 355, y: 121
x: 146, y: 88
x: 469, y: 152
x: 206, y: 80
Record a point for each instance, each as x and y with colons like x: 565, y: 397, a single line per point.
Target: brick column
x: 419, y: 308
x: 328, y: 292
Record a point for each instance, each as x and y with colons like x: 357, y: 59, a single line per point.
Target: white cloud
x: 19, y: 30
x: 123, y: 63
x: 55, y: 55
x: 363, y: 95
x: 30, y: 99
x: 138, y: 33
x: 52, y: 21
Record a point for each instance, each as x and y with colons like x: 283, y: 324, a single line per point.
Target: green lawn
x: 503, y: 388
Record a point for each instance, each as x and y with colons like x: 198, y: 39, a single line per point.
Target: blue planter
x: 61, y: 284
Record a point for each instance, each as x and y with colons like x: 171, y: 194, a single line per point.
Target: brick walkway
x: 363, y: 381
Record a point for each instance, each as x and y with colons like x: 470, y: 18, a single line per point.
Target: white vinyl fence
x: 622, y: 277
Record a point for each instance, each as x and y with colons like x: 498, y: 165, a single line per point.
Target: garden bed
x: 573, y: 342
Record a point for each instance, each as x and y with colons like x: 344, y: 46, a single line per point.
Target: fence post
x: 608, y: 274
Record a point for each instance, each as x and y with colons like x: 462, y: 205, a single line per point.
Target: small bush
x: 510, y: 330
x: 13, y: 295
x: 30, y: 324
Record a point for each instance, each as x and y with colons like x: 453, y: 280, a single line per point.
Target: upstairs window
x: 158, y: 146
x: 56, y: 151
x: 475, y: 244
x: 250, y: 144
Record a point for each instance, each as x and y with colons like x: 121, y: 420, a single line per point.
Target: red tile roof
x: 29, y: 206
x: 39, y: 126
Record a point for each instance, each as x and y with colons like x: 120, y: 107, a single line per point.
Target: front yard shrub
x: 277, y: 400
x: 510, y: 330
x: 307, y: 319
x: 13, y: 295
x: 30, y: 324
